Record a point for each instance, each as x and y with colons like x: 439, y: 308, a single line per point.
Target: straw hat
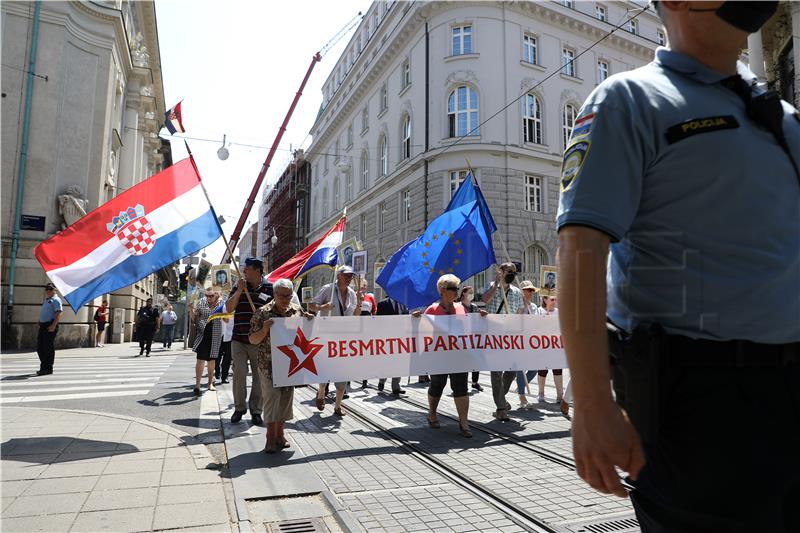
x: 527, y: 284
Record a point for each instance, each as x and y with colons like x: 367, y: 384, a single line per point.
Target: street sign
x: 32, y: 222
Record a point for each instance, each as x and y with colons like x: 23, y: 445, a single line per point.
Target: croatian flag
x: 149, y: 226
x: 173, y: 119
x: 319, y: 253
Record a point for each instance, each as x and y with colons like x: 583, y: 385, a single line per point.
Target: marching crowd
x: 243, y: 341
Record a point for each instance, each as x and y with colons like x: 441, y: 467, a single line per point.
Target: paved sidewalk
x: 66, y: 470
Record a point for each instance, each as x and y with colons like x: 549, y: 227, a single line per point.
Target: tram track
x: 514, y: 512
x: 548, y: 455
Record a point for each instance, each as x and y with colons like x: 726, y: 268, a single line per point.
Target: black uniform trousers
x: 45, y: 347
x: 145, y: 334
x: 727, y: 457
x: 223, y: 364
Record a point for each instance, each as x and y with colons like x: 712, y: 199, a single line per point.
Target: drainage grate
x: 312, y: 525
x: 624, y: 525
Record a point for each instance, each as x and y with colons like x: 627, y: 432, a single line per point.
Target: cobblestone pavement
x: 388, y: 488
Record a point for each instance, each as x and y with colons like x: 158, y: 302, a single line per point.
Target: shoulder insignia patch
x: 684, y: 130
x: 583, y: 126
x: 574, y: 156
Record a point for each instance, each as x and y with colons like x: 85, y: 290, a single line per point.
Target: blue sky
x: 236, y: 65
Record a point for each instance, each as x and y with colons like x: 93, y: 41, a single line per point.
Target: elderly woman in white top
x: 527, y: 308
x: 549, y: 308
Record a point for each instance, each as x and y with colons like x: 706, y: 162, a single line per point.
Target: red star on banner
x: 308, y: 349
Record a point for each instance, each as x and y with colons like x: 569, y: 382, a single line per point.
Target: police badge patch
x: 574, y: 157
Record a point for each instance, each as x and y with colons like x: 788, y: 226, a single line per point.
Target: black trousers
x: 146, y: 338
x: 45, y: 347
x: 223, y: 364
x: 727, y: 457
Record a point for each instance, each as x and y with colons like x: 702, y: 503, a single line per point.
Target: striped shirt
x: 243, y: 312
x: 513, y: 296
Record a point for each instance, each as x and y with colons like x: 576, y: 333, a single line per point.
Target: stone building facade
x: 774, y: 52
x: 96, y: 106
x: 423, y: 88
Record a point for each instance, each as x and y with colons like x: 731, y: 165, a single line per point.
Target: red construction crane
x: 248, y: 206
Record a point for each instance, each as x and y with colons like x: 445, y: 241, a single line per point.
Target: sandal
x: 211, y: 386
x: 267, y: 449
x: 501, y: 415
x: 321, y: 404
x: 466, y: 433
x: 197, y: 391
x: 433, y: 423
x: 338, y: 412
x: 282, y: 444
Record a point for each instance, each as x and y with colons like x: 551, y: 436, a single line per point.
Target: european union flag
x: 459, y: 241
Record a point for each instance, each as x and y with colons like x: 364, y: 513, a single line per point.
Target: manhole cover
x: 312, y: 525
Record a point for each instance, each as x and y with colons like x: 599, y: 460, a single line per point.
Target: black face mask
x: 510, y: 277
x: 747, y: 16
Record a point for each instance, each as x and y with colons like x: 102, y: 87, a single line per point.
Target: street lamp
x: 223, y: 153
x: 274, y: 238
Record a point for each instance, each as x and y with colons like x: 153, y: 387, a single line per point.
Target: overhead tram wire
x: 529, y: 89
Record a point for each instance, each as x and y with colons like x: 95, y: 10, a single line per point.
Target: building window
x: 348, y: 186
x: 457, y: 177
x: 568, y: 62
x: 532, y: 120
x: 633, y: 26
x: 602, y: 71
x: 325, y: 201
x: 661, y: 38
x: 567, y: 122
x: 533, y: 194
x: 364, y: 171
x: 567, y: 3
x: 406, y: 74
x: 462, y: 112
x: 364, y: 228
x: 364, y: 119
x: 384, y: 98
x: 405, y: 205
x: 336, y: 192
x: 383, y: 151
x: 349, y: 135
x: 382, y: 217
x: 600, y: 13
x: 358, y: 43
x: 462, y: 40
x: 532, y: 260
x: 529, y: 49
x: 406, y: 148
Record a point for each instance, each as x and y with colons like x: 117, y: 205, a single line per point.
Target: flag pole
x: 502, y: 242
x: 333, y: 285
x: 224, y: 239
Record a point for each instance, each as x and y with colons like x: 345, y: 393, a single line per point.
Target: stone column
x: 755, y: 49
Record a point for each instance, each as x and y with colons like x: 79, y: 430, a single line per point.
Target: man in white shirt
x: 343, y: 301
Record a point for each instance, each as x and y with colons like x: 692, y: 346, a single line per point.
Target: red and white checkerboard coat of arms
x: 134, y: 230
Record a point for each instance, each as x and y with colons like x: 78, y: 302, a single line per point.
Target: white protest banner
x: 353, y: 348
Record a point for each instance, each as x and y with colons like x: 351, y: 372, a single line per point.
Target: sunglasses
x: 451, y: 288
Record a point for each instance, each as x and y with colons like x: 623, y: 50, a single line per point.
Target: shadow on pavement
x: 180, y: 396
x: 18, y: 378
x: 35, y: 449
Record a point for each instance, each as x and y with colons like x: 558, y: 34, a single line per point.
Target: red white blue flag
x: 151, y: 225
x: 319, y: 253
x: 173, y: 119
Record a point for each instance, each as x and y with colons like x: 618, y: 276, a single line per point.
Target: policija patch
x: 684, y: 130
x: 574, y: 157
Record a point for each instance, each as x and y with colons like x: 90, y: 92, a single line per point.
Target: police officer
x: 148, y: 321
x: 689, y: 172
x: 49, y: 316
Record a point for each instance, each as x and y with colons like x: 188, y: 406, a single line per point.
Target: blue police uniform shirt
x: 701, y: 204
x: 49, y: 308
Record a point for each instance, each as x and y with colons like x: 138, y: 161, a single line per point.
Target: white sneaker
x: 523, y: 404
x: 540, y: 398
x: 99, y: 346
